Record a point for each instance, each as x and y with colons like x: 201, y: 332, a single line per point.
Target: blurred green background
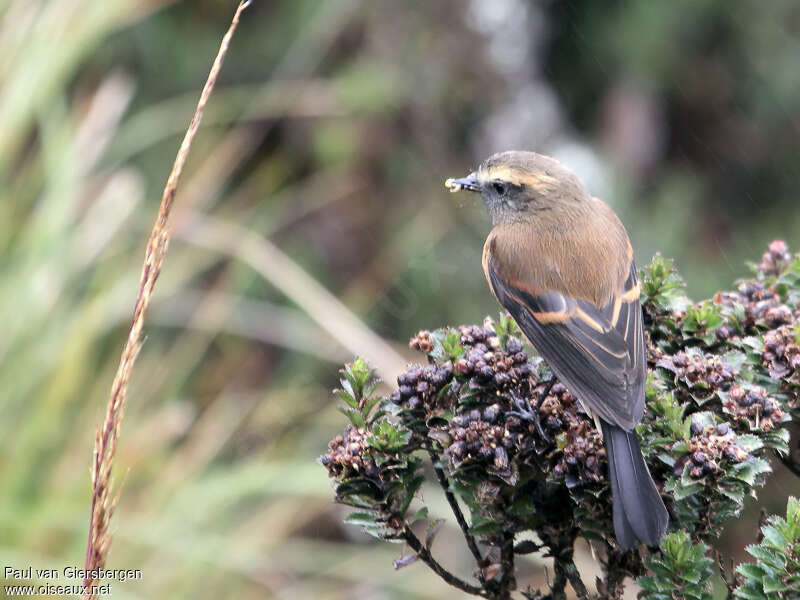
x: 312, y: 224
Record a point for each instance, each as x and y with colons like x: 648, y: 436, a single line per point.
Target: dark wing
x: 597, y: 352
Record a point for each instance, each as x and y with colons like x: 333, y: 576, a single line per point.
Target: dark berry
x: 501, y: 379
x: 491, y: 413
x: 500, y: 458
x: 513, y: 345
x: 486, y: 373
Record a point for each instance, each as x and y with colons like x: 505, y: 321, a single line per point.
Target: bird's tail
x: 640, y: 516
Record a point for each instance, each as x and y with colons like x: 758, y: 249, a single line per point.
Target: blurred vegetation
x: 329, y: 137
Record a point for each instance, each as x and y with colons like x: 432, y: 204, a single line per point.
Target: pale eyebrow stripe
x: 513, y: 176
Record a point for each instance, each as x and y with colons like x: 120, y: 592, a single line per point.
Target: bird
x: 560, y: 262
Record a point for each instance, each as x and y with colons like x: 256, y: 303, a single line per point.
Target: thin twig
x: 425, y: 556
x: 566, y: 571
x: 575, y: 580
x: 559, y: 585
x: 618, y: 566
x: 462, y: 522
x: 508, y: 581
x: 103, y: 502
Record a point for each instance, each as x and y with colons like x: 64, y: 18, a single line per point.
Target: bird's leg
x: 525, y: 412
x: 548, y: 386
x: 539, y: 401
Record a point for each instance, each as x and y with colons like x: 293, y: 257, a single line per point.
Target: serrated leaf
x: 735, y: 495
x: 777, y: 440
x: 750, y: 571
x: 347, y: 398
x: 410, y: 489
x: 680, y: 448
x: 772, y: 583
x: 681, y: 491
x: 773, y: 538
x: 749, y: 594
x: 749, y: 443
x: 353, y: 415
x: 766, y: 556
x: 748, y: 471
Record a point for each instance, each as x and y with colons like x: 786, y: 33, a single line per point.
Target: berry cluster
x: 709, y: 448
x: 508, y: 429
x: 775, y: 260
x: 583, y: 459
x: 350, y: 455
x: 754, y: 406
x: 418, y: 387
x: 762, y: 305
x: 781, y: 354
x: 558, y: 410
x: 471, y: 335
x: 702, y: 374
x: 488, y: 365
x: 483, y: 437
x: 422, y: 342
x: 724, y: 332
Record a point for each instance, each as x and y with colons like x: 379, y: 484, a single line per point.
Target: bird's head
x: 520, y: 186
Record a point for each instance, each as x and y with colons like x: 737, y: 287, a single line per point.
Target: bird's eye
x: 500, y: 188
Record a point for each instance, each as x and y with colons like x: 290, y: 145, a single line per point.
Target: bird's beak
x: 469, y: 183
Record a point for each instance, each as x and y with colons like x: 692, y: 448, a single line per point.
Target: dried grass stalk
x: 103, y: 500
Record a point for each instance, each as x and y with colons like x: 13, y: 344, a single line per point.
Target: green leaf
x: 733, y: 494
x: 411, y: 487
x: 746, y: 593
x: 750, y: 571
x: 682, y: 569
x: 773, y: 538
x: 772, y: 583
x: 353, y: 415
x: 765, y: 556
x: 363, y: 519
x: 748, y: 471
x: 749, y: 443
x: 774, y: 572
x: 347, y: 398
x: 422, y: 513
x: 793, y: 514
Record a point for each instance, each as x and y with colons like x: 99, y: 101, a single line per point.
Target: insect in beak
x: 469, y: 183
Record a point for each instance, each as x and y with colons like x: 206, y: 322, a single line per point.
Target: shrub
x: 529, y: 465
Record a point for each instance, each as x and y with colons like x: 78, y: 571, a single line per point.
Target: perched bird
x: 561, y: 263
